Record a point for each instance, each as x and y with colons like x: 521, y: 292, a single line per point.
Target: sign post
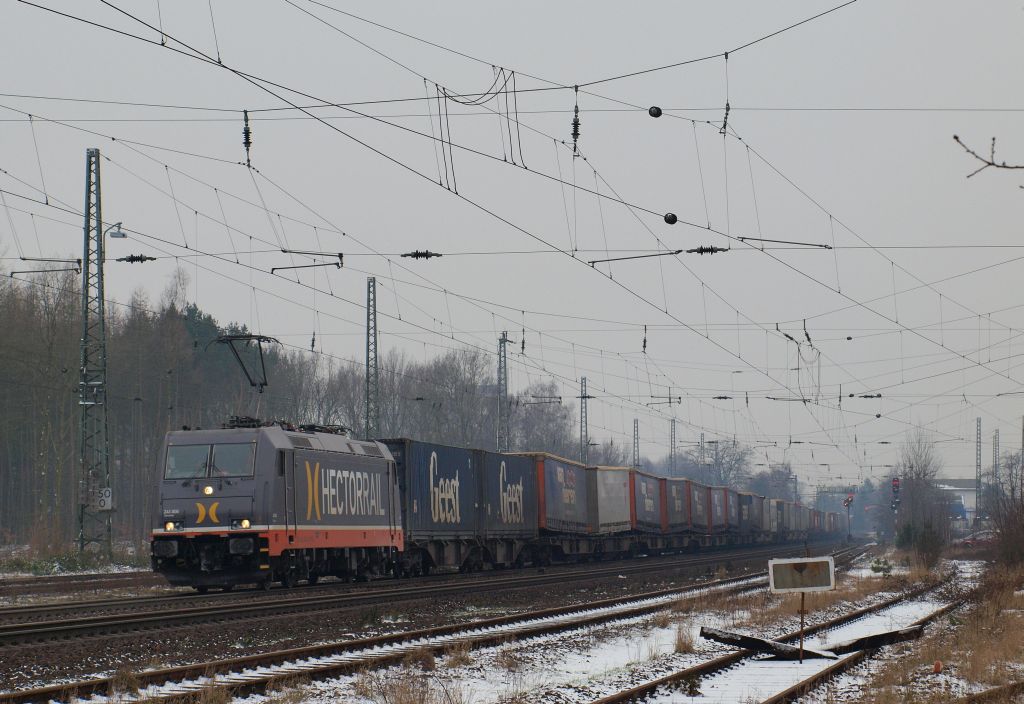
x: 802, y: 574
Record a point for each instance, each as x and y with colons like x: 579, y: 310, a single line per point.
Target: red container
x: 561, y: 494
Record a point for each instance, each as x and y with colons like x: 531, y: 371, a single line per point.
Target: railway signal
x: 847, y: 502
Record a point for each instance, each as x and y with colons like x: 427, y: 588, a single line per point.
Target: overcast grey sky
x: 848, y: 119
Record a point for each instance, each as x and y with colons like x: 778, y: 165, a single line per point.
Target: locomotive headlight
x: 208, y: 490
x: 169, y: 526
x: 172, y: 525
x: 240, y: 523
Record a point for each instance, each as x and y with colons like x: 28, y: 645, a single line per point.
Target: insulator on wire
x: 576, y: 121
x: 246, y: 136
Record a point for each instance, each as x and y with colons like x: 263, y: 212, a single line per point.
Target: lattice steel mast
x: 372, y: 425
x: 995, y: 457
x: 672, y: 451
x: 636, y: 442
x: 503, y: 430
x: 977, y: 471
x: 584, y: 439
x: 94, y: 496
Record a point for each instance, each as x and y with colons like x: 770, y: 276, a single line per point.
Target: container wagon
x: 440, y: 505
x: 509, y: 508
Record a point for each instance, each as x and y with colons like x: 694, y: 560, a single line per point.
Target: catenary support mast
x: 636, y: 442
x: 503, y: 430
x: 584, y: 439
x: 372, y: 425
x: 94, y: 496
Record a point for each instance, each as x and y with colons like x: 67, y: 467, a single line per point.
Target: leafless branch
x: 986, y: 162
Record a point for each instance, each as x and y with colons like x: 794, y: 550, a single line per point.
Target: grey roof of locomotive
x: 281, y: 439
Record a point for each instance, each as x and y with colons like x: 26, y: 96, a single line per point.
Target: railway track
x: 256, y: 673
x: 11, y: 586
x: 57, y: 621
x: 732, y: 677
x: 61, y: 610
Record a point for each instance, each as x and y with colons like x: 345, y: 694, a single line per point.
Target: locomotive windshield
x: 187, y: 461
x: 201, y: 461
x: 234, y: 460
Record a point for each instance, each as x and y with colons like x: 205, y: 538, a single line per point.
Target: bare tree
x: 725, y: 462
x: 1005, y: 500
x: 922, y: 517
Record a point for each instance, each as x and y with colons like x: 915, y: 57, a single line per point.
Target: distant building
x: 964, y: 494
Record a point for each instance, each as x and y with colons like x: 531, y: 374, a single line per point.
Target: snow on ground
x: 572, y: 667
x: 758, y: 678
x: 948, y: 683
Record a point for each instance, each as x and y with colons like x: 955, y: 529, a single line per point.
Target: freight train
x: 255, y: 503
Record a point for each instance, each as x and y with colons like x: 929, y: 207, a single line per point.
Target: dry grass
x: 422, y: 658
x: 662, y: 619
x: 124, y: 681
x: 986, y: 647
x: 684, y: 638
x: 406, y: 686
x: 287, y: 691
x: 715, y: 600
x: 765, y: 609
x: 508, y: 660
x: 458, y: 654
x: 211, y: 695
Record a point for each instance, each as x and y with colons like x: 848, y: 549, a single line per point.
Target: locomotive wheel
x: 202, y: 589
x: 313, y: 578
x: 267, y: 583
x: 228, y: 587
x: 288, y: 579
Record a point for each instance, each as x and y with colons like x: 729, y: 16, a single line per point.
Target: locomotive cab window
x: 233, y: 460
x: 187, y: 461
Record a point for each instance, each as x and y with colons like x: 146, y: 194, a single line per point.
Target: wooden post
x: 802, y: 595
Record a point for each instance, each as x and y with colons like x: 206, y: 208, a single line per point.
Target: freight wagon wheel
x: 202, y: 589
x: 267, y: 583
x: 228, y: 587
x: 313, y: 578
x: 288, y: 579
